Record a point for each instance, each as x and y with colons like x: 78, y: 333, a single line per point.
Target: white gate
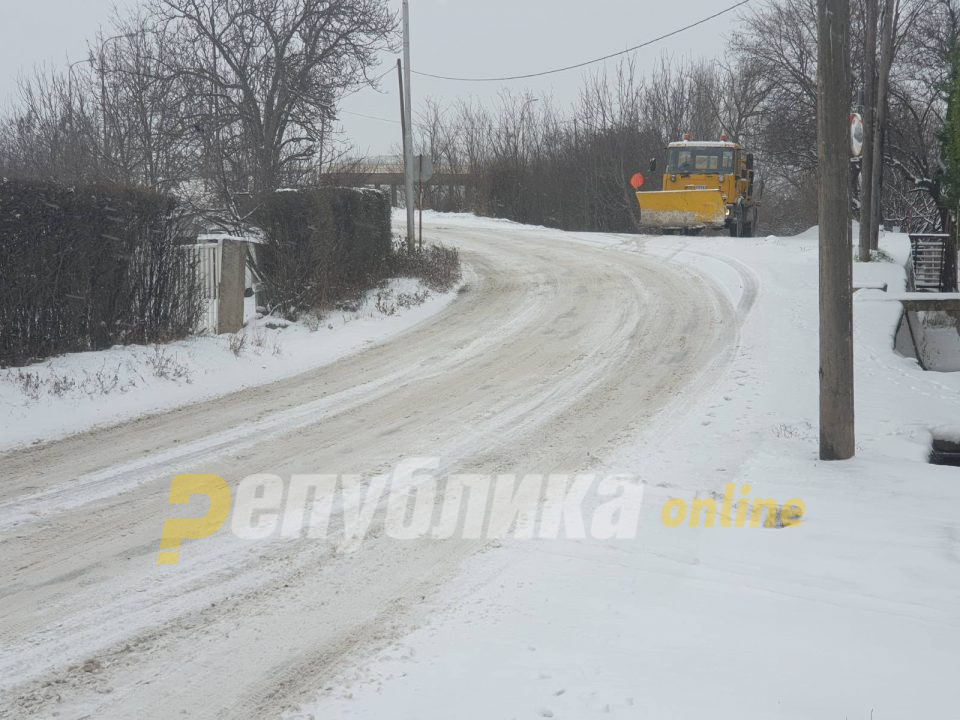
x: 207, y: 265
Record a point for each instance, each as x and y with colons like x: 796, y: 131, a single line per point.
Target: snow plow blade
x: 677, y: 209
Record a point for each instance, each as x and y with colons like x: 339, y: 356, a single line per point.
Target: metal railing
x: 934, y: 262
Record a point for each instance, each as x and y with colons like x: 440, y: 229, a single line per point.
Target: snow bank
x: 80, y: 391
x: 440, y: 220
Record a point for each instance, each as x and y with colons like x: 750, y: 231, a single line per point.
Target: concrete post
x: 233, y: 281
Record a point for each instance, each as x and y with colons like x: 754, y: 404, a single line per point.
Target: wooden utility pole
x: 420, y: 197
x: 836, y: 250
x: 403, y: 117
x: 891, y: 11
x: 408, y: 130
x: 869, y: 108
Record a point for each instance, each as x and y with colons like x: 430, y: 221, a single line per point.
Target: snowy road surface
x: 854, y: 614
x: 557, y: 353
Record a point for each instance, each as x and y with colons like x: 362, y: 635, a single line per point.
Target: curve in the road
x: 557, y: 353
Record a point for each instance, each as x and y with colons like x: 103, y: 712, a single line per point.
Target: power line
x: 588, y: 62
x: 375, y: 80
x: 370, y: 84
x: 369, y: 117
x: 382, y: 75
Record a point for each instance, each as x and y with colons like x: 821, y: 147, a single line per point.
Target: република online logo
x: 412, y: 504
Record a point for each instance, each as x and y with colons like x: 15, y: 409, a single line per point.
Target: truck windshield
x: 700, y: 160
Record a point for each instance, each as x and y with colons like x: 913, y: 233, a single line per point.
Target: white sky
x: 453, y: 37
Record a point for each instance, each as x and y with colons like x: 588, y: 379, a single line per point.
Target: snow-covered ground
x: 854, y: 614
x: 571, y: 350
x: 80, y: 391
x: 940, y: 341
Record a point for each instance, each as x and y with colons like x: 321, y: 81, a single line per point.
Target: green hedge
x: 87, y: 268
x: 323, y: 245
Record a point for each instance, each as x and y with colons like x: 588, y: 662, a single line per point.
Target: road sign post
x: 424, y: 173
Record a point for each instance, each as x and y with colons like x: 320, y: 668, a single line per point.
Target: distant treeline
x: 569, y: 167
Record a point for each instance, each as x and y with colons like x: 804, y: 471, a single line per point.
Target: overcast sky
x: 451, y: 37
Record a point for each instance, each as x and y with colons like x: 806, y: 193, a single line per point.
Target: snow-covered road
x: 556, y: 354
x: 853, y: 614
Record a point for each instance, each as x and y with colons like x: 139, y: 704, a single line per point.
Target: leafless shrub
x: 101, y: 382
x: 237, y: 343
x: 312, y: 320
x: 799, y: 430
x: 437, y: 266
x: 58, y: 385
x: 167, y: 366
x: 412, y: 299
x: 29, y: 384
x: 104, y: 381
x: 353, y: 303
x: 881, y: 256
x: 385, y: 303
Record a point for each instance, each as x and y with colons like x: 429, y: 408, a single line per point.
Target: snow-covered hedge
x: 322, y: 245
x: 89, y: 267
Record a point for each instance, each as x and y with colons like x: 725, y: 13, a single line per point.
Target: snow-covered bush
x: 85, y: 268
x: 322, y: 245
x: 437, y: 266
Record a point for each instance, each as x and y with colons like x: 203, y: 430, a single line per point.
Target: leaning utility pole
x: 403, y: 118
x: 408, y: 131
x: 836, y: 250
x: 891, y: 11
x: 869, y: 113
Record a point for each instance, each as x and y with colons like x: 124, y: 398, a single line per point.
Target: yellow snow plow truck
x: 706, y: 185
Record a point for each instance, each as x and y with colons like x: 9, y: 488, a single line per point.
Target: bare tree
x: 927, y: 33
x: 778, y: 42
x: 145, y: 139
x: 53, y: 134
x: 266, y: 76
x: 901, y: 155
x: 738, y: 99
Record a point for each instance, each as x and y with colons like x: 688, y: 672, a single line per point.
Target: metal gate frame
x: 208, y: 265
